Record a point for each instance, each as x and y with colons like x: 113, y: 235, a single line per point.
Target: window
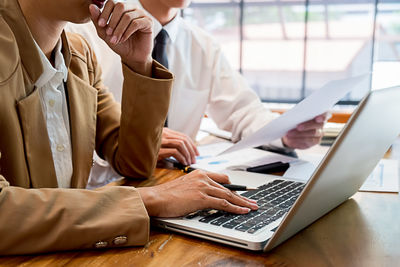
x: 288, y: 48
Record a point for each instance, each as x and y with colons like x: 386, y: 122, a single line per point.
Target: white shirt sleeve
x: 233, y: 105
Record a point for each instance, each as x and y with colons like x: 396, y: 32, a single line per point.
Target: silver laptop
x: 287, y: 206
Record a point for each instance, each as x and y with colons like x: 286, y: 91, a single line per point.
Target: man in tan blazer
x: 39, y: 211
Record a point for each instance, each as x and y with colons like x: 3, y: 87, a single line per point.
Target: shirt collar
x: 172, y: 27
x: 48, y: 70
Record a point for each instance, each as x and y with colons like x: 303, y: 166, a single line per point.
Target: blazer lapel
x: 36, y: 141
x: 82, y: 110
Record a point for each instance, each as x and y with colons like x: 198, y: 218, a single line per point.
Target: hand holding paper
x: 306, y: 134
x: 317, y: 103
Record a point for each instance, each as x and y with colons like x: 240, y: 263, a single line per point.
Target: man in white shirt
x: 205, y: 83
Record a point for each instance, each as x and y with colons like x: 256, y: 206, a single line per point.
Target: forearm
x: 145, y: 104
x: 67, y: 219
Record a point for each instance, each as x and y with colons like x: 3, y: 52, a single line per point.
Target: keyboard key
x: 229, y: 225
x: 259, y: 226
x: 275, y: 182
x: 265, y: 186
x: 263, y: 193
x: 250, y: 193
x: 265, y: 207
x: 280, y: 213
x: 256, y: 197
x: 192, y: 215
x: 211, y: 217
x: 239, y: 220
x: 285, y: 183
x: 285, y: 205
x: 243, y: 227
x: 220, y: 221
x: 271, y: 196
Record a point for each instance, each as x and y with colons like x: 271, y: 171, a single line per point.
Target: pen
x: 180, y: 166
x: 235, y: 187
x: 188, y: 169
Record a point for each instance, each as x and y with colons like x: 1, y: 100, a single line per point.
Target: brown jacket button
x: 120, y: 240
x: 101, y: 244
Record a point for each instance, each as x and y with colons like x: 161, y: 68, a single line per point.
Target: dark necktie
x: 160, y: 48
x: 160, y: 53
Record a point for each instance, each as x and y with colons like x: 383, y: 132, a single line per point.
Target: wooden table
x: 363, y: 231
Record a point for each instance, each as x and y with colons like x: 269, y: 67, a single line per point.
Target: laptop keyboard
x: 274, y: 200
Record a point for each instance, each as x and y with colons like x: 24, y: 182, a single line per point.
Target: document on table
x: 317, y: 103
x: 209, y: 160
x: 384, y: 178
x: 209, y: 126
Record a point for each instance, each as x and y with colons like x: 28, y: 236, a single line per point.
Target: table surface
x: 363, y: 231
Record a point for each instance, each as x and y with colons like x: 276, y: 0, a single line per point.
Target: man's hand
x: 306, y: 134
x: 177, y: 145
x: 127, y: 31
x: 195, y: 191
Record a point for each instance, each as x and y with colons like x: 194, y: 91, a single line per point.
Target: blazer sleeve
x: 129, y: 136
x: 46, y: 220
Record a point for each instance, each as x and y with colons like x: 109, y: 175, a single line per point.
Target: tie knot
x: 162, y: 37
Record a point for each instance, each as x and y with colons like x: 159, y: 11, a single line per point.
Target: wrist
x: 143, y: 68
x: 284, y: 143
x: 150, y: 200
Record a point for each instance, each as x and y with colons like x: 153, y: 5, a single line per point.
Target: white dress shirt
x: 55, y: 110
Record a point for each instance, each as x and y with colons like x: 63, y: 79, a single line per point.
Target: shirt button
x: 120, y: 240
x: 60, y: 148
x: 101, y: 244
x: 52, y: 102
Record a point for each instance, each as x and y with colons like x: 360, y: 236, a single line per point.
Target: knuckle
x: 110, y: 4
x: 139, y: 11
x: 134, y: 23
x: 224, y: 203
x: 150, y: 21
x: 181, y: 144
x: 228, y: 194
x: 127, y: 16
x: 225, y: 177
x: 201, y: 196
x: 198, y: 183
x: 201, y: 173
x: 196, y: 173
x: 203, y: 185
x: 119, y: 6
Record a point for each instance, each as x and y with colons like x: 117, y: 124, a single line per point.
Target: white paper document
x: 239, y: 160
x: 209, y: 126
x: 384, y: 178
x: 317, y: 103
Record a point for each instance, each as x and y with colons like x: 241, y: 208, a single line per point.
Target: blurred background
x: 288, y: 48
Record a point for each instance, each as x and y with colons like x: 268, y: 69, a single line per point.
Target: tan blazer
x: 35, y: 215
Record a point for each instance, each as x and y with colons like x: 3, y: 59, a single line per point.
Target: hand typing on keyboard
x: 195, y: 191
x: 274, y: 200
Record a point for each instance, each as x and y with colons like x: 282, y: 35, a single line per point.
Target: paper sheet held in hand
x: 317, y: 103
